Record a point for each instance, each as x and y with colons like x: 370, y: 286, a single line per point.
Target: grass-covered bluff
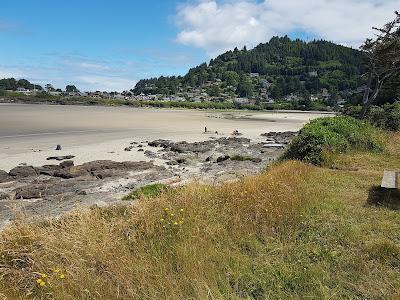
x: 296, y: 231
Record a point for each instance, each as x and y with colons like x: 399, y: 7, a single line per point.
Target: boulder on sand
x: 59, y: 158
x: 23, y: 171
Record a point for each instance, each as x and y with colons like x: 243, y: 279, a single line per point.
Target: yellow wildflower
x: 42, y: 283
x: 62, y: 276
x: 181, y: 209
x: 175, y: 223
x: 43, y: 275
x: 39, y: 280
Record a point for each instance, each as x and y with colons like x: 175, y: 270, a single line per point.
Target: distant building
x: 254, y: 75
x: 292, y: 97
x: 241, y: 101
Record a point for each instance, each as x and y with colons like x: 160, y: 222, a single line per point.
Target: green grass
x: 148, y: 191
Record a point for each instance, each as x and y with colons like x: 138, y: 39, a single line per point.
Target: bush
x: 385, y: 117
x: 338, y: 134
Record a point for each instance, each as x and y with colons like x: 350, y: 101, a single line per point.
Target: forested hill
x: 286, y: 66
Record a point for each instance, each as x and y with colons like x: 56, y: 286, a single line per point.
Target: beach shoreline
x: 29, y: 133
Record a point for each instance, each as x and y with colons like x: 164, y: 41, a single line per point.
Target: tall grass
x: 295, y: 232
x: 195, y: 242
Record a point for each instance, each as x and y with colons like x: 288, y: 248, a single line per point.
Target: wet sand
x: 30, y: 133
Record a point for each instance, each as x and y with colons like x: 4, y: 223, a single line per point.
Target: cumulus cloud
x: 221, y: 25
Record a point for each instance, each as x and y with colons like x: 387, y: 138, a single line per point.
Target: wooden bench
x: 390, y: 180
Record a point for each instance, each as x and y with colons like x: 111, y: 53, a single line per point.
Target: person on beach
x: 205, y: 129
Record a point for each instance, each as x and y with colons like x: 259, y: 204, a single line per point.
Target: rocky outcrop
x: 23, y: 171
x: 30, y: 192
x: 5, y: 177
x: 160, y: 143
x: 280, y: 137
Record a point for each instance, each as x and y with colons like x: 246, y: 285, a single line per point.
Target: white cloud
x: 217, y: 26
x: 104, y: 83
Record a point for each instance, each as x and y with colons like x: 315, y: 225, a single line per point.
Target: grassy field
x: 294, y: 232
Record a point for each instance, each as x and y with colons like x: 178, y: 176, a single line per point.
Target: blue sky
x: 109, y: 45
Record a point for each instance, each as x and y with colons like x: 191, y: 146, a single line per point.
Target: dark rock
x: 71, y: 172
x: 4, y: 196
x: 30, y: 192
x: 59, y: 158
x: 280, y: 137
x: 181, y: 160
x: 233, y: 140
x: 209, y: 158
x: 58, y: 147
x: 150, y: 154
x: 256, y: 160
x: 4, y: 177
x: 129, y: 148
x: 67, y: 164
x: 23, y: 171
x: 160, y: 143
x: 141, y: 150
x: 223, y: 158
x: 48, y: 170
x: 140, y: 146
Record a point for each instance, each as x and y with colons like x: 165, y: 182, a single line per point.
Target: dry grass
x: 130, y: 253
x: 294, y: 232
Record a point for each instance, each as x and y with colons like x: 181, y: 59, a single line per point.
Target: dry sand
x: 93, y: 133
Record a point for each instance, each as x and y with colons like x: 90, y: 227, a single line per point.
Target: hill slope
x: 282, y: 66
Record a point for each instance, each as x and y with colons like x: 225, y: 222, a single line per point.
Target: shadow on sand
x: 389, y: 198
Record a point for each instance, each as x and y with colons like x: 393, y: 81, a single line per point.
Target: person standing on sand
x: 205, y: 129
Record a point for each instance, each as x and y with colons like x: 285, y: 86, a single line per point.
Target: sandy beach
x: 30, y: 133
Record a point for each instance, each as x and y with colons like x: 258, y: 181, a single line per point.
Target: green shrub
x: 386, y: 116
x: 149, y: 191
x: 338, y: 134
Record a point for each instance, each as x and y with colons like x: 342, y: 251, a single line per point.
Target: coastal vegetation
x: 295, y: 231
x: 325, y: 136
x: 148, y: 191
x: 283, y: 65
x: 44, y: 98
